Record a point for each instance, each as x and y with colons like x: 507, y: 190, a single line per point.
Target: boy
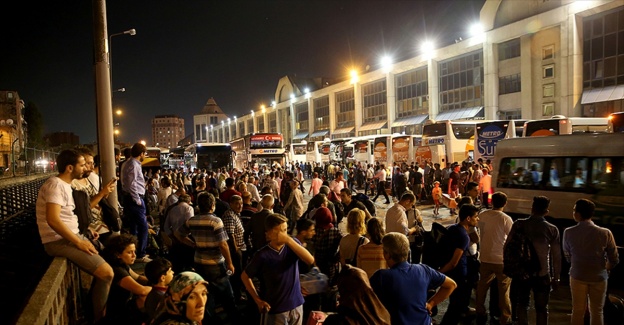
x: 276, y: 266
x: 436, y: 194
x: 159, y: 274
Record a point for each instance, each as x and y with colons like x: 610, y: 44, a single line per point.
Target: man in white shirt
x: 485, y: 186
x: 495, y: 226
x: 58, y: 228
x: 396, y: 217
x: 381, y: 185
x: 337, y: 184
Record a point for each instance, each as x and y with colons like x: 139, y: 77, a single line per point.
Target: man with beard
x: 133, y: 191
x: 58, y: 228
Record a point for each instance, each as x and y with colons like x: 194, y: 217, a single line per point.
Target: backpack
x: 437, y: 248
x: 520, y: 260
x: 82, y: 209
x: 370, y: 206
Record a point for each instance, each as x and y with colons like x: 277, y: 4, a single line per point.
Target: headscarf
x: 323, y: 218
x: 179, y: 289
x: 358, y: 303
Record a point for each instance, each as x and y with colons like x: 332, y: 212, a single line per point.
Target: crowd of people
x: 228, y: 246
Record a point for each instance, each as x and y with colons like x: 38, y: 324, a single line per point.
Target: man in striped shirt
x: 212, y: 254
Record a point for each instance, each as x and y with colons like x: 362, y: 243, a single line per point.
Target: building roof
x: 211, y: 107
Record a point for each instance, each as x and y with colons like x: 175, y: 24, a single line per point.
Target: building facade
x: 167, y: 131
x: 206, y: 120
x: 532, y: 60
x: 12, y: 128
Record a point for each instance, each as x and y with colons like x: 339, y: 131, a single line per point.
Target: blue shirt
x: 588, y: 248
x: 459, y: 240
x: 278, y: 272
x: 402, y: 289
x: 132, y: 181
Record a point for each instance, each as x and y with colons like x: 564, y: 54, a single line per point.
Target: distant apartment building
x: 167, y: 131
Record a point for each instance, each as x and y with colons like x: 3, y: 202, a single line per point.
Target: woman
x: 325, y: 243
x: 350, y: 243
x: 184, y: 302
x: 294, y: 206
x: 163, y: 194
x: 358, y: 304
x: 370, y: 256
x: 129, y: 289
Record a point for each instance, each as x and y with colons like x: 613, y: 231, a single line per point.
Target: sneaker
x: 143, y: 259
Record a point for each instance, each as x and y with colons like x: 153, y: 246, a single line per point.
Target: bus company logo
x: 268, y: 151
x: 435, y: 141
x: 492, y: 132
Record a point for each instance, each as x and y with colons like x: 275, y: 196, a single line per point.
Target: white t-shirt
x: 57, y: 191
x: 494, y: 227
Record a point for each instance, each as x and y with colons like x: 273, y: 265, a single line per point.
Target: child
x: 159, y: 274
x: 275, y: 265
x: 436, y: 194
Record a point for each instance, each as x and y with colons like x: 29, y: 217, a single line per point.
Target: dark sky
x: 188, y: 51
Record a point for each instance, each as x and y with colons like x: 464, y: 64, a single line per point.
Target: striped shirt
x: 234, y: 228
x: 370, y: 258
x: 208, y: 232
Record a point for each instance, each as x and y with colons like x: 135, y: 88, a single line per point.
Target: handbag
x: 353, y: 260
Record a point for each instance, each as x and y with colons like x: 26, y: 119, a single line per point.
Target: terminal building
x: 529, y: 59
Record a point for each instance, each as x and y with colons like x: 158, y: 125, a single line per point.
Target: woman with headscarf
x: 185, y: 301
x: 358, y: 304
x: 325, y: 243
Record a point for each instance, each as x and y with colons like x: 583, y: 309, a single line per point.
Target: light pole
x: 130, y: 32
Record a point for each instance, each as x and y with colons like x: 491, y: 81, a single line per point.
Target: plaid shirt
x: 234, y: 228
x: 325, y: 245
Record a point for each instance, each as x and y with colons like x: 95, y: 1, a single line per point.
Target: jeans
x: 581, y: 290
x: 540, y: 285
x: 137, y: 221
x: 219, y: 289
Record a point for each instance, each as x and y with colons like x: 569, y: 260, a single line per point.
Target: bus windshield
x: 266, y: 141
x: 434, y: 130
x: 213, y: 157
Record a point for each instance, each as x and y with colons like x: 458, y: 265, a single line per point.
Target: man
x: 349, y: 203
x: 370, y: 174
x: 58, y: 228
x: 545, y: 240
x: 417, y: 182
x: 495, y: 226
x: 254, y: 232
x: 402, y: 288
x: 472, y: 190
x: 485, y: 187
x: 457, y: 266
x: 252, y: 187
x: 396, y: 217
x: 181, y: 255
x: 337, y: 184
x: 234, y: 228
x: 212, y: 254
x: 453, y: 184
x: 229, y: 190
x: 316, y: 184
x: 133, y: 190
x: 276, y: 266
x: 381, y: 184
x: 592, y: 253
x: 174, y: 197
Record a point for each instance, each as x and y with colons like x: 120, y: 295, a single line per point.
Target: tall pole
x: 103, y: 94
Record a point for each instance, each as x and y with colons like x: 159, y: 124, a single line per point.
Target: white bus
x: 449, y: 141
x: 404, y: 149
x: 487, y: 135
x: 559, y: 124
x: 338, y: 152
x: 564, y: 168
x: 296, y: 152
x: 317, y: 151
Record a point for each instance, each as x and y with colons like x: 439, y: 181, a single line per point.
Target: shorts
x: 64, y: 248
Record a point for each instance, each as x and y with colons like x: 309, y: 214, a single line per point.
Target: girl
x: 436, y: 194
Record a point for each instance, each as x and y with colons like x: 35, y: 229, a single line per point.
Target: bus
x: 209, y: 156
x: 152, y: 158
x: 296, y: 152
x: 176, y: 157
x: 317, y: 152
x: 259, y: 149
x: 449, y: 141
x: 559, y: 124
x: 404, y: 150
x: 487, y: 135
x: 338, y: 152
x: 616, y: 122
x: 564, y: 168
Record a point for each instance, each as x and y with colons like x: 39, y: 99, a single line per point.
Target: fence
x: 29, y: 161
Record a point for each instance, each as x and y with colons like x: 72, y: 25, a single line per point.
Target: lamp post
x: 130, y: 32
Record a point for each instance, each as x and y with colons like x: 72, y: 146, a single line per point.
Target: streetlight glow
x: 118, y: 112
x: 476, y: 29
x: 252, y: 113
x: 143, y: 142
x: 427, y: 49
x: 354, y: 76
x: 386, y: 63
x: 273, y: 104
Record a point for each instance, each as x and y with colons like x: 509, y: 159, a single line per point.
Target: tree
x: 35, y: 126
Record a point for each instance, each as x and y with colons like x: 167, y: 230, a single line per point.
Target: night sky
x: 188, y: 51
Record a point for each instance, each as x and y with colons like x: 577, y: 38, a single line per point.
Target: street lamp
x: 130, y: 32
x: 120, y: 90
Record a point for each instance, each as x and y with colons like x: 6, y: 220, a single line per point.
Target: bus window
x: 463, y: 131
x: 521, y: 172
x: 568, y: 173
x: 608, y: 173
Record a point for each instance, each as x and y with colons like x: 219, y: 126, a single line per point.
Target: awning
x: 462, y: 113
x: 348, y: 129
x: 300, y: 135
x: 373, y: 126
x: 605, y: 94
x: 412, y: 120
x: 319, y: 133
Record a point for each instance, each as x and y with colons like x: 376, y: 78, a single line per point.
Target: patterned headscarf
x: 179, y: 289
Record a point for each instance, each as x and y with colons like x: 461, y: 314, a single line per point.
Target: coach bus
x: 559, y: 124
x: 296, y: 152
x: 564, y: 168
x: 338, y: 152
x: 449, y: 141
x: 487, y: 135
x: 616, y: 122
x: 209, y: 156
x: 259, y: 149
x: 317, y: 151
